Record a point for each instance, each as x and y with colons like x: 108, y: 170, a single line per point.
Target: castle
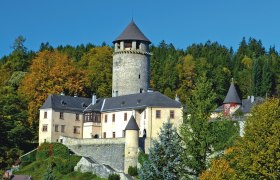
x: 133, y: 113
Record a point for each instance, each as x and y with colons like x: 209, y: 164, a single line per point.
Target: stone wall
x: 104, y: 151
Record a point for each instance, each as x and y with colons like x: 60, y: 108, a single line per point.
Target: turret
x: 131, y: 144
x: 232, y: 100
x: 131, y: 62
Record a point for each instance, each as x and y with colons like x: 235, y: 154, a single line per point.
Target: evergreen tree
x: 195, y: 130
x: 164, y: 160
x: 257, y: 77
x: 266, y: 85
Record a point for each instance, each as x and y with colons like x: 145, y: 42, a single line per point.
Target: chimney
x: 177, y: 98
x: 252, y: 99
x: 93, y: 99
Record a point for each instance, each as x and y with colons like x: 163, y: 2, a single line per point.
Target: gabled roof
x: 247, y: 104
x: 132, y: 124
x: 232, y: 96
x: 134, y: 101
x: 66, y: 103
x: 132, y: 32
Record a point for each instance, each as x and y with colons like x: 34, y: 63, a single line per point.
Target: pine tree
x: 195, y: 130
x: 266, y: 85
x: 164, y: 160
x: 257, y: 77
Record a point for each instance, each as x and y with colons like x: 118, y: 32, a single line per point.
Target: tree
x: 257, y: 77
x: 267, y: 80
x: 48, y: 175
x: 164, y: 159
x: 258, y: 152
x: 50, y: 73
x: 195, y: 129
x: 220, y: 169
x: 98, y: 65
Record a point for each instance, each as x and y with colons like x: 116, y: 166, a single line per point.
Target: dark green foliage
x: 142, y: 157
x: 31, y: 157
x: 132, y: 171
x: 164, y: 159
x: 52, y: 150
x: 195, y: 130
x: 114, y: 177
x: 48, y: 175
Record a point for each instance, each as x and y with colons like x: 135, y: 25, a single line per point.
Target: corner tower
x: 131, y: 62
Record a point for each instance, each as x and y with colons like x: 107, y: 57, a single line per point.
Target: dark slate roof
x: 134, y: 101
x: 232, y: 96
x: 132, y: 124
x: 132, y: 32
x: 66, y: 103
x: 247, y: 105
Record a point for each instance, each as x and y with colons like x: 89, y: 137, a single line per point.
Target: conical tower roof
x: 132, y: 32
x: 132, y: 125
x: 232, y: 96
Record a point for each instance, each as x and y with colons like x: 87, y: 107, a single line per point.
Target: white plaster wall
x: 42, y: 121
x: 118, y: 126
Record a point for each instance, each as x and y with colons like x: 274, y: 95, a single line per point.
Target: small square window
x: 45, y: 115
x: 157, y: 113
x: 172, y: 114
x: 61, y: 115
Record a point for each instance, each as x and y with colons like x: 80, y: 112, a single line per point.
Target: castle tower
x: 232, y: 100
x: 131, y: 62
x: 131, y: 144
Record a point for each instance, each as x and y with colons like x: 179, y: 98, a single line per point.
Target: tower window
x: 128, y: 45
x: 141, y: 90
x: 137, y: 44
x: 139, y: 76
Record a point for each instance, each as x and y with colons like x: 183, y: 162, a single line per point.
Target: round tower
x: 131, y: 62
x: 232, y: 101
x: 131, y: 144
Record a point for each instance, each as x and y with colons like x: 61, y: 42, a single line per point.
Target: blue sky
x: 180, y: 22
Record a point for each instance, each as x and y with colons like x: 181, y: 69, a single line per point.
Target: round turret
x: 131, y: 62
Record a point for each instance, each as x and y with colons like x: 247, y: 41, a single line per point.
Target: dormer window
x: 137, y: 44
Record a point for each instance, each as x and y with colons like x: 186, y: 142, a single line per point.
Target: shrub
x: 52, y: 149
x: 114, y: 177
x: 132, y: 171
x: 142, y: 157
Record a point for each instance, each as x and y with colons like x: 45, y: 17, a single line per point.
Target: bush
x: 142, y: 157
x: 132, y: 171
x: 114, y: 177
x: 52, y: 149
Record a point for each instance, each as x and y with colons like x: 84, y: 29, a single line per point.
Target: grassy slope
x: 62, y: 169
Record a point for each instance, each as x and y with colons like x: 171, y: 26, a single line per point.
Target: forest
x: 28, y: 77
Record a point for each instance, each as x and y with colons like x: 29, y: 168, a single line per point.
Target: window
x: 113, y: 117
x: 77, y: 117
x: 137, y: 44
x: 171, y: 115
x: 123, y: 133
x: 145, y: 114
x: 45, y: 128
x: 157, y: 113
x: 61, y: 115
x: 114, y: 134
x: 125, y: 116
x: 76, y: 130
x: 45, y: 115
x: 104, y: 135
x: 56, y: 128
x: 139, y: 76
x: 141, y: 90
x: 105, y: 118
x: 62, y: 128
